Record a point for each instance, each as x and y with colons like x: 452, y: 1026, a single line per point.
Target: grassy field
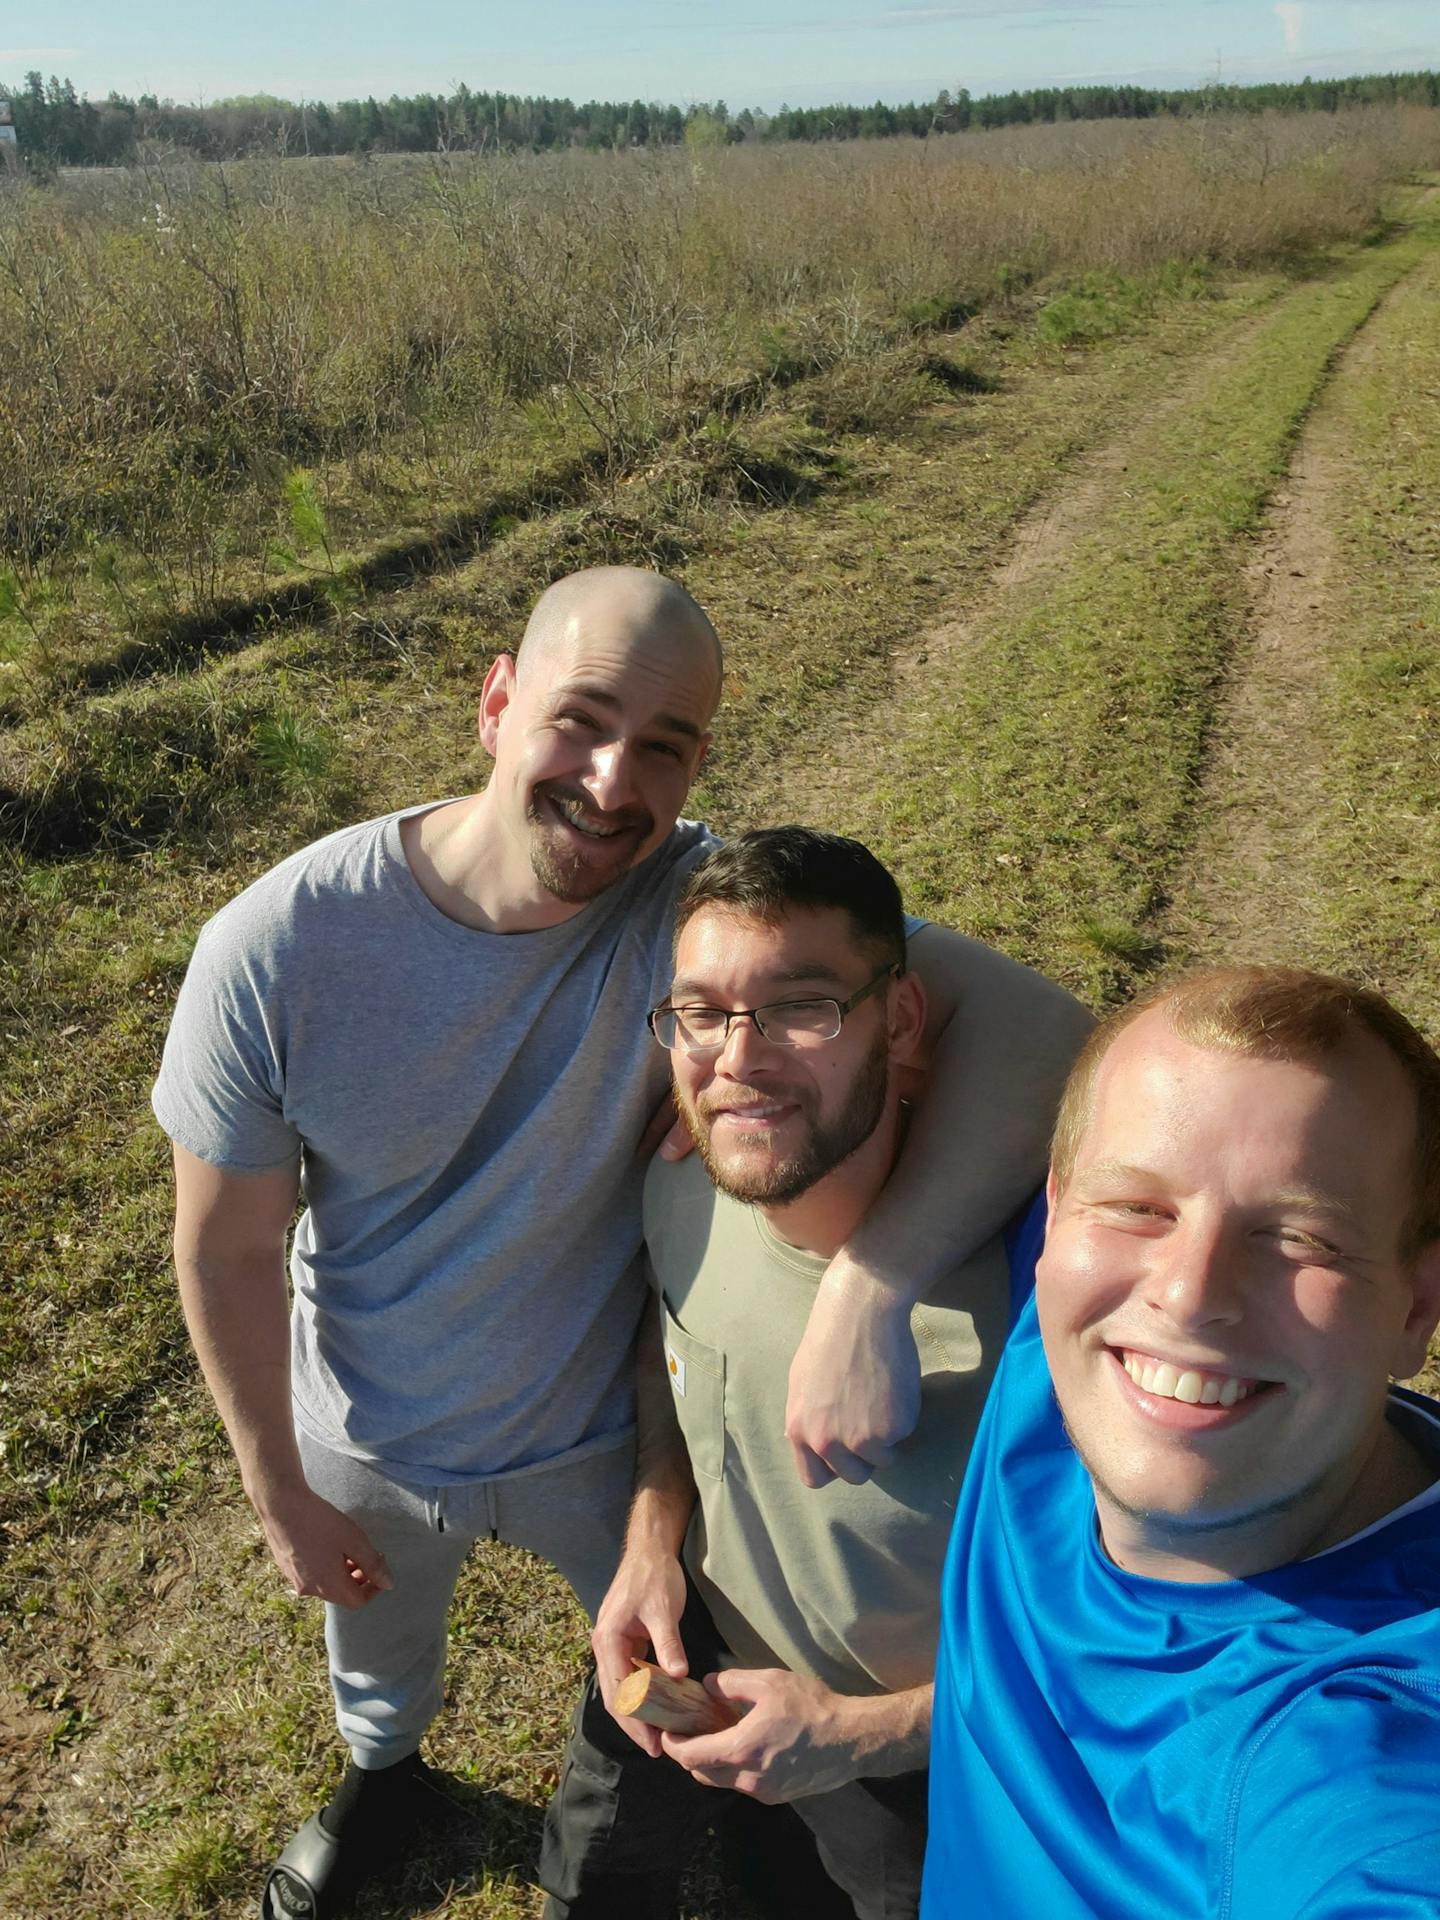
x: 976, y: 461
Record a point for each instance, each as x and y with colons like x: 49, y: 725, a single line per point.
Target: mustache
x: 561, y: 791
x: 707, y: 1108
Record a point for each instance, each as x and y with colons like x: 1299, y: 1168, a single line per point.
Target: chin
x: 768, y: 1183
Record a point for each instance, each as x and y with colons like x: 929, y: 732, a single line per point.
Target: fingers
x: 811, y: 1468
x: 838, y: 1462
x: 677, y: 1142
x: 668, y: 1650
x: 370, y: 1564
x: 709, y: 1756
x: 658, y: 1128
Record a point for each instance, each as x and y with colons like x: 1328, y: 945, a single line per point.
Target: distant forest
x: 57, y: 127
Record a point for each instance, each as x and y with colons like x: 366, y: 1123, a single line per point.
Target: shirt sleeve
x: 1401, y: 1882
x: 1337, y: 1813
x: 220, y: 1093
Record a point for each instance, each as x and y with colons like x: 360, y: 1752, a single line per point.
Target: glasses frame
x: 843, y: 1009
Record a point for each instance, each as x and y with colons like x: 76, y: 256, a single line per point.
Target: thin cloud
x: 986, y: 10
x: 1291, y: 16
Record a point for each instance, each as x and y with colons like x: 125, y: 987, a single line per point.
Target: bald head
x: 628, y: 607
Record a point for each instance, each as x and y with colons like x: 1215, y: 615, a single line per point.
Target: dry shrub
x: 176, y: 335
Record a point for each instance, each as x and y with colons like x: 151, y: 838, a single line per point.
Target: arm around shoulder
x: 1000, y: 1040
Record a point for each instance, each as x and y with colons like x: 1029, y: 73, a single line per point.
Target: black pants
x: 622, y: 1828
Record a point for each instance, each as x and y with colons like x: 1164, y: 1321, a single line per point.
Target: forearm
x: 979, y: 1138
x: 237, y: 1313
x: 664, y: 1485
x: 889, y: 1733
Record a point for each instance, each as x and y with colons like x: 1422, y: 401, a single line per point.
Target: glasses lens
x: 797, y: 1021
x: 696, y: 1027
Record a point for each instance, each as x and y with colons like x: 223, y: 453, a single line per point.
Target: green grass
x: 1381, y: 699
x: 1044, y: 807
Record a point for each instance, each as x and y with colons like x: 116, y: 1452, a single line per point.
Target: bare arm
x: 647, y: 1596
x: 796, y: 1737
x: 1003, y: 1039
x: 230, y: 1231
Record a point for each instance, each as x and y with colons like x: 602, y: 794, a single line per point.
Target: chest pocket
x: 697, y: 1385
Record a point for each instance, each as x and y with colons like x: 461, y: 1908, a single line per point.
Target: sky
x: 756, y: 53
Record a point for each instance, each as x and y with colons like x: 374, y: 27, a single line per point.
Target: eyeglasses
x: 787, y: 1023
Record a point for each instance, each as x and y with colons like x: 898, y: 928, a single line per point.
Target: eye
x: 666, y: 749
x: 1297, y: 1240
x: 1139, y: 1213
x: 577, y: 717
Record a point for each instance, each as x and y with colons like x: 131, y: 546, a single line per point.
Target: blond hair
x: 1275, y: 1013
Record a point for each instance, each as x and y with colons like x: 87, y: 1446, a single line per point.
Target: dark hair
x: 773, y: 870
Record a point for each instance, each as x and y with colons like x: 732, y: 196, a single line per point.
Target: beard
x: 750, y: 1174
x: 569, y: 871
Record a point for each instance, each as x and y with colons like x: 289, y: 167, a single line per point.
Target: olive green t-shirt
x: 842, y: 1583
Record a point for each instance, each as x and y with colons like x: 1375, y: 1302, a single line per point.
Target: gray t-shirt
x: 467, y: 1107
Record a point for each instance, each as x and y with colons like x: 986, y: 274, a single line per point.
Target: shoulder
x: 342, y: 867
x: 661, y: 876
x: 1347, y: 1771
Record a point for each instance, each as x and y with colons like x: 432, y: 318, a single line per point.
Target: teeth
x: 1192, y: 1387
x: 575, y: 814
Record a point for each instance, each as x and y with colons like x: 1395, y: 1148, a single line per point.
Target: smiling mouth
x: 1192, y: 1386
x: 756, y: 1113
x: 582, y: 819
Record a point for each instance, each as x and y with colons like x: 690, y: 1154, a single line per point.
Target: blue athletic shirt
x: 1107, y: 1745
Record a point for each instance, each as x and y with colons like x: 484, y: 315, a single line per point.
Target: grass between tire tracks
x: 1381, y: 698
x: 1045, y: 805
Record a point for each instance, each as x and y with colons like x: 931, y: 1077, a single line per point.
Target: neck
x: 825, y: 1215
x: 1391, y: 1473
x: 468, y: 866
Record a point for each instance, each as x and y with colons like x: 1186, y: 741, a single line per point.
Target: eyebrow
x: 598, y: 696
x: 790, y: 977
x: 1302, y: 1199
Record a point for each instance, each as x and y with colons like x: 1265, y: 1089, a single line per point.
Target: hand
x: 642, y: 1610
x: 855, y: 1379
x: 666, y: 1133
x: 794, y: 1738
x: 321, y: 1551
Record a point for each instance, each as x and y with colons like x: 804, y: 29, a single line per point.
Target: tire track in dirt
x: 1250, y: 887
x: 828, y: 779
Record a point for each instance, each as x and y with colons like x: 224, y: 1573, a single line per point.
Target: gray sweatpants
x: 387, y: 1658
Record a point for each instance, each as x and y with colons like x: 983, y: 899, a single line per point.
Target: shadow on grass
x: 481, y: 1838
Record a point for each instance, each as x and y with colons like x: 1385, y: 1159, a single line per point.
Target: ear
x: 1424, y: 1314
x: 495, y: 696
x: 906, y: 1015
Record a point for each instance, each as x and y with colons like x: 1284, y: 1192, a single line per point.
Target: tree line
x: 55, y: 126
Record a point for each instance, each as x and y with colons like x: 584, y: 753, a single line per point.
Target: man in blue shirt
x: 1190, y: 1655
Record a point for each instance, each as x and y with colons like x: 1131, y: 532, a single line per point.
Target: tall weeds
x: 175, y: 339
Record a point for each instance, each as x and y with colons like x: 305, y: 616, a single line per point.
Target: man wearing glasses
x: 790, y: 1023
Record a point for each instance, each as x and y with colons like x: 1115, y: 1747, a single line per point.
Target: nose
x: 745, y: 1050
x: 1196, y: 1279
x: 610, y: 780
